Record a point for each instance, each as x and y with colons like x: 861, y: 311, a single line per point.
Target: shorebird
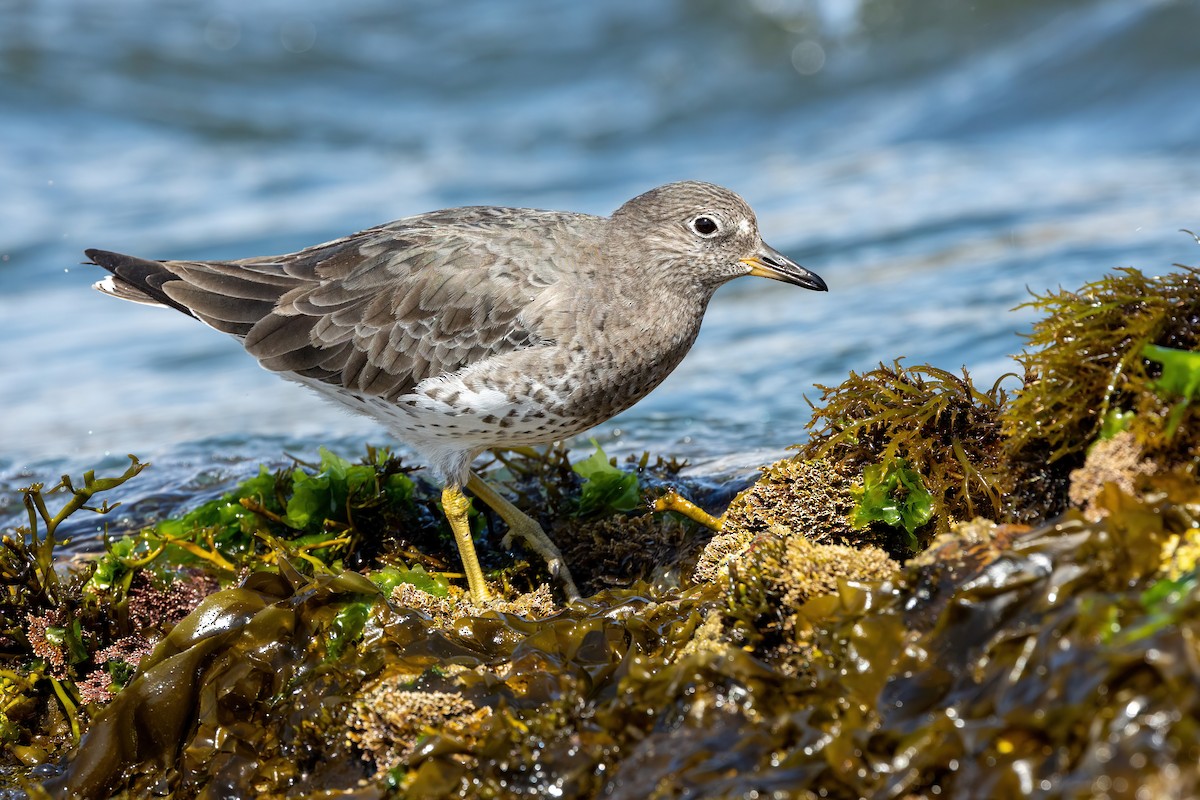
x: 482, y: 327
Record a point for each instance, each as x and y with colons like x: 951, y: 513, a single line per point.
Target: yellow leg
x: 521, y: 526
x: 456, y: 505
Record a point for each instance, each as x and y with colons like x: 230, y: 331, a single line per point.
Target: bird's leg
x: 525, y: 528
x: 456, y: 505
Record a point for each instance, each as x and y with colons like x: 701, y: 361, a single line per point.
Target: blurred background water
x: 932, y: 159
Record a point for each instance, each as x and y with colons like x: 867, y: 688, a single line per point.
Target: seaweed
x: 796, y: 672
x: 589, y: 508
x: 1087, y: 356
x: 201, y: 699
x: 34, y: 560
x: 1088, y: 375
x: 1180, y: 377
x: 74, y: 639
x: 944, y: 428
x: 45, y: 621
x: 605, y: 487
x: 895, y: 495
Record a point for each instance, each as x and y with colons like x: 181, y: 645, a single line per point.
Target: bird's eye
x: 705, y: 226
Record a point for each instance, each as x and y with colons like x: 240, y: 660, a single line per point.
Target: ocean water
x: 933, y: 160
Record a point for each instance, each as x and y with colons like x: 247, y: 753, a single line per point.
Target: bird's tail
x: 135, y: 279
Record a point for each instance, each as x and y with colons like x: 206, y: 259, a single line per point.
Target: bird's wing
x: 380, y: 310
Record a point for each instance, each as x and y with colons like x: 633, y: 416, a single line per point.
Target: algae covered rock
x: 793, y: 569
x: 1004, y: 659
x: 443, y: 610
x: 766, y: 585
x: 617, y: 550
x: 810, y: 497
x: 714, y: 560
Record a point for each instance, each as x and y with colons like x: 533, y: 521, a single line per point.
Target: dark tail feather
x: 135, y: 279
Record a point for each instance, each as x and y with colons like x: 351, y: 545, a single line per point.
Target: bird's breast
x: 623, y: 355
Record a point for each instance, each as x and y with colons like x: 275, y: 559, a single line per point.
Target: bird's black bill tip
x: 770, y: 263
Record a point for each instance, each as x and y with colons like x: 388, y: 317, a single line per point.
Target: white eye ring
x: 705, y: 225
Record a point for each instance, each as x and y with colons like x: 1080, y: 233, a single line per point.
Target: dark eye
x: 705, y: 226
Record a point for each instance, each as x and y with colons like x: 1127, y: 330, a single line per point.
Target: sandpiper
x: 482, y: 327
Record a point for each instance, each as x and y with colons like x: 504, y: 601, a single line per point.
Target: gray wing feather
x: 380, y: 310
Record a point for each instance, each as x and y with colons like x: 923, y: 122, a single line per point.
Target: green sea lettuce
x: 605, y: 487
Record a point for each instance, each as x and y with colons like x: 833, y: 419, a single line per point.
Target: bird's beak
x: 770, y: 263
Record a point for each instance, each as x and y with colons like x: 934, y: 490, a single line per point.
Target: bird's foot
x: 525, y: 528
x: 673, y: 501
x: 529, y: 532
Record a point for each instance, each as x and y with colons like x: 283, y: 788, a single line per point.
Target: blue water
x: 932, y: 160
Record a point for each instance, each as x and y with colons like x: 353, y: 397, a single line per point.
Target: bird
x: 480, y: 327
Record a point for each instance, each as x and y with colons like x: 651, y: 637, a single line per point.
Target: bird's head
x: 705, y: 231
